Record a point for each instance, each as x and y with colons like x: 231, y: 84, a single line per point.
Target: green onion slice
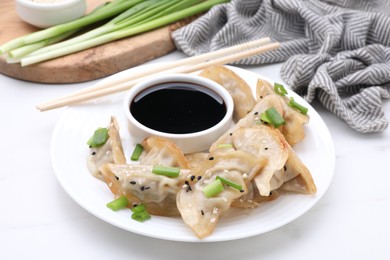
x: 99, y: 137
x: 229, y: 183
x: 141, y: 216
x: 274, y: 117
x: 137, y: 152
x: 118, y: 203
x: 171, y: 172
x: 292, y: 103
x: 140, y: 213
x: 139, y: 208
x: 213, y: 188
x: 279, y: 89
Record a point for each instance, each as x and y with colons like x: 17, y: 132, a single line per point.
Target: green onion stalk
x: 132, y: 17
x: 104, y: 12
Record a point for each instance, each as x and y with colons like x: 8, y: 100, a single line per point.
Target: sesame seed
x: 245, y: 176
x: 117, y: 178
x: 202, y: 212
x: 93, y: 153
x: 211, y: 158
x: 256, y: 113
x: 192, y: 177
x: 110, y: 184
x: 199, y: 177
x: 142, y: 188
x: 213, y: 220
x: 132, y: 182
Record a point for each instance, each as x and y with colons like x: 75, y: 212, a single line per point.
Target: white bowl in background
x: 188, y: 142
x: 46, y: 14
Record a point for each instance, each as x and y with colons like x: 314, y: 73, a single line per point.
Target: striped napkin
x: 337, y: 51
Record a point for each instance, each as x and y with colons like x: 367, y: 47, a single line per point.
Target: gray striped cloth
x: 337, y: 51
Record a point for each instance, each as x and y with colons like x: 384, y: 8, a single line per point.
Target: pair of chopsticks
x: 188, y: 65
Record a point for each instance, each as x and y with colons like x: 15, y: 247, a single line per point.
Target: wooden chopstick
x: 125, y: 84
x: 166, y: 68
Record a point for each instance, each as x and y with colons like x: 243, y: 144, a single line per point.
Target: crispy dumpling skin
x: 297, y: 177
x: 293, y: 130
x: 251, y: 119
x: 161, y: 151
x: 200, y: 213
x: 195, y: 159
x: 253, y: 198
x: 263, y: 142
x: 140, y: 185
x: 110, y: 152
x: 239, y: 90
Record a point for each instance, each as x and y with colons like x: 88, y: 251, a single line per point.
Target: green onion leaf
x: 274, y: 117
x: 99, y: 137
x: 229, y: 183
x: 118, y: 203
x: 171, y: 172
x: 137, y: 152
x: 279, y: 89
x: 213, y: 189
x: 292, y: 103
x: 264, y: 118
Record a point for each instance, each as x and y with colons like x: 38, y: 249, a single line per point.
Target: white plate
x: 69, y: 153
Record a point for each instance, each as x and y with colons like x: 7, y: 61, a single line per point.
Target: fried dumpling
x: 251, y: 119
x: 239, y: 90
x: 263, y: 142
x: 110, y: 152
x: 161, y: 151
x: 200, y: 213
x: 140, y: 185
x: 293, y: 130
x: 297, y: 178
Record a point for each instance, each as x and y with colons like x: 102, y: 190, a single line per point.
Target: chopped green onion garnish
x: 229, y: 183
x: 224, y: 145
x: 137, y: 152
x: 213, y: 189
x: 139, y: 213
x: 141, y: 216
x: 118, y: 203
x: 139, y: 208
x: 279, y: 89
x: 274, y: 117
x: 171, y: 172
x: 292, y: 103
x: 264, y: 118
x: 99, y: 137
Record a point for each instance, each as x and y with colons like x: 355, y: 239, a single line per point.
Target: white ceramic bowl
x: 45, y: 14
x: 187, y: 142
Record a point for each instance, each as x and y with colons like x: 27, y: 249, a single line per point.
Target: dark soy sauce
x: 178, y: 107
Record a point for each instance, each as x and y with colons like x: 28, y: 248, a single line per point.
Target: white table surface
x: 38, y: 220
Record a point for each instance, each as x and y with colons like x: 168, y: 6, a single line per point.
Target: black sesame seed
x: 261, y: 96
x: 192, y: 177
x: 146, y: 188
x: 132, y: 182
x: 117, y: 178
x: 202, y: 212
x: 241, y: 191
x: 285, y: 168
x: 187, y: 183
x: 256, y: 113
x: 93, y: 153
x: 189, y: 188
x: 266, y: 148
x: 142, y: 188
x: 231, y: 134
x: 199, y: 177
x: 211, y: 158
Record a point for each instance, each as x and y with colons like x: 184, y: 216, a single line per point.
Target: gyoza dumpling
x: 200, y: 213
x: 140, y: 185
x: 161, y: 151
x: 263, y: 142
x: 110, y: 152
x: 293, y: 130
x: 239, y: 90
x: 251, y: 119
x: 297, y: 178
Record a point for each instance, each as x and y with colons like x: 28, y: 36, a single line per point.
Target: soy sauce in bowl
x: 178, y: 107
x: 191, y: 111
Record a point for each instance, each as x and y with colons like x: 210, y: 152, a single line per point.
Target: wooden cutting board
x: 87, y: 65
